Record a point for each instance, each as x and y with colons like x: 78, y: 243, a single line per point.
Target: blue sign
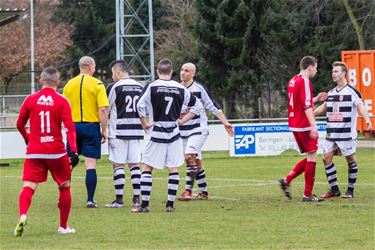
x: 244, y: 141
x: 246, y: 137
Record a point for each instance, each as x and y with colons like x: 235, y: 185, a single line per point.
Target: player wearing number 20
x: 163, y: 99
x: 125, y: 131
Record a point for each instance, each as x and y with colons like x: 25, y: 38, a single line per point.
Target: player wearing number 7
x: 163, y: 100
x: 47, y: 111
x: 302, y: 124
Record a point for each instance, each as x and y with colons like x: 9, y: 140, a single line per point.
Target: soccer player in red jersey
x: 47, y: 111
x: 302, y: 123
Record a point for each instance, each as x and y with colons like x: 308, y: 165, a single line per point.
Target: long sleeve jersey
x: 47, y: 110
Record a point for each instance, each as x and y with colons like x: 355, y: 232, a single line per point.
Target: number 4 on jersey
x: 291, y: 100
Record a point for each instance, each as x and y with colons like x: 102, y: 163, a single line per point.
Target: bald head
x: 187, y: 73
x: 86, y: 61
x: 190, y: 66
x: 87, y: 65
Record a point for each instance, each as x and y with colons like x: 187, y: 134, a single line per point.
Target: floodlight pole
x: 151, y: 41
x: 32, y: 46
x: 127, y: 17
x: 117, y: 30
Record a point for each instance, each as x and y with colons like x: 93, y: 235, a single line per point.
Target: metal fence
x: 9, y: 108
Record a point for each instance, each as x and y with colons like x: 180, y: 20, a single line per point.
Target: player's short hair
x: 342, y: 65
x: 165, y: 66
x: 119, y: 64
x: 307, y: 61
x: 86, y: 61
x: 50, y: 76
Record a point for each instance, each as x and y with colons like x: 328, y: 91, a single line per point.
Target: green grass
x: 247, y: 210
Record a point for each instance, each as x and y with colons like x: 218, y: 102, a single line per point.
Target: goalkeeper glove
x: 74, y: 159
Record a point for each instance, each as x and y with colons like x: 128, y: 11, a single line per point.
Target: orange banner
x: 361, y: 73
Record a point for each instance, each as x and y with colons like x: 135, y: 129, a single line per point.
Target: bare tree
x: 359, y: 21
x: 51, y: 40
x: 175, y: 38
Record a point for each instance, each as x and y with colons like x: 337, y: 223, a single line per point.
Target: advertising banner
x: 361, y: 67
x: 263, y: 139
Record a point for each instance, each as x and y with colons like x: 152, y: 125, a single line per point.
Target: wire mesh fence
x: 9, y: 109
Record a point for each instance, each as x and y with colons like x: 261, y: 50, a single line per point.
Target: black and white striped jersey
x: 342, y: 107
x: 163, y: 99
x: 198, y: 125
x: 124, y: 120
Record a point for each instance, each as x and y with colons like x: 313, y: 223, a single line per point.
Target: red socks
x: 25, y: 199
x: 309, y: 168
x: 309, y: 177
x: 297, y: 170
x: 65, y: 201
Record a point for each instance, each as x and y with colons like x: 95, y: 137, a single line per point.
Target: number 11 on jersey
x: 48, y: 121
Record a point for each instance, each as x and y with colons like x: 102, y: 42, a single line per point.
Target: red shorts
x: 305, y: 143
x: 35, y: 170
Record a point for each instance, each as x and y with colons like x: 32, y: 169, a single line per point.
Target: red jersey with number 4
x: 47, y: 111
x: 300, y: 97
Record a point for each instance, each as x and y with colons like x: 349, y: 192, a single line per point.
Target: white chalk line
x: 348, y: 204
x: 252, y: 183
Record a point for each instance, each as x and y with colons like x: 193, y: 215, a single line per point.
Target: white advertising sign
x: 262, y: 139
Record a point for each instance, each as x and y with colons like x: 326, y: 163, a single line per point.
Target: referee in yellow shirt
x: 89, y: 102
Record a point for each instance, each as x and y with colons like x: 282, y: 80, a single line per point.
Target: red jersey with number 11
x: 300, y: 97
x: 47, y: 111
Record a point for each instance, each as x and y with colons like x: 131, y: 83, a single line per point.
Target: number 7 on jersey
x: 169, y: 99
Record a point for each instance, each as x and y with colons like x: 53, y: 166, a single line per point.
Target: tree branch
x: 357, y: 28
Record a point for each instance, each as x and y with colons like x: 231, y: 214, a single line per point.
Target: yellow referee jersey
x: 85, y: 94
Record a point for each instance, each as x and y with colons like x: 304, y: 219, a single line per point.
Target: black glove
x: 74, y: 159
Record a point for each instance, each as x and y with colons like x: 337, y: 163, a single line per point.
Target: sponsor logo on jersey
x: 46, y: 101
x: 132, y: 88
x: 168, y: 90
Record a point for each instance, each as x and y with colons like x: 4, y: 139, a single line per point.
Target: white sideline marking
x: 252, y: 182
x: 257, y: 183
x: 223, y: 198
x: 239, y: 185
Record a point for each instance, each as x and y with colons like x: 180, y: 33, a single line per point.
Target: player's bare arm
x: 321, y: 97
x: 228, y: 127
x: 103, y: 115
x: 364, y: 113
x: 185, y: 118
x: 320, y: 109
x: 146, y: 125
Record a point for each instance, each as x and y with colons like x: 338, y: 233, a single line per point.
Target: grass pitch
x: 247, y: 210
